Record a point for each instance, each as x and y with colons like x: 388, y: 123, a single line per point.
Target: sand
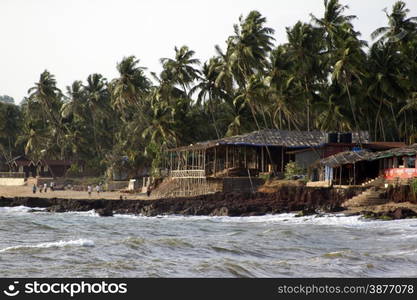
x: 26, y: 191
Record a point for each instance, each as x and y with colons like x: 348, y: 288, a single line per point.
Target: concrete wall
x: 116, y: 185
x: 12, y: 181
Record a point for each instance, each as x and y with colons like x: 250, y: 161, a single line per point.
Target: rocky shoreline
x: 285, y: 199
x: 305, y: 200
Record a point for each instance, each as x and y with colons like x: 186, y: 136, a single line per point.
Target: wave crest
x: 59, y: 244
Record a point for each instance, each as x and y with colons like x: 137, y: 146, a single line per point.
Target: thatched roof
x: 346, y: 157
x: 403, y: 151
x: 350, y: 157
x: 273, y: 138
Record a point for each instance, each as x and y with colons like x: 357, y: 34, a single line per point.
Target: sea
x: 35, y: 243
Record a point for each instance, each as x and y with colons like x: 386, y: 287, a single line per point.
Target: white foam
x: 59, y: 244
x: 128, y: 216
x: 337, y: 220
x: 89, y: 213
x: 19, y: 209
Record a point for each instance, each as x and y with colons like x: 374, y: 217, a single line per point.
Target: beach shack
x: 243, y: 158
x: 53, y: 168
x: 22, y: 164
x: 356, y: 167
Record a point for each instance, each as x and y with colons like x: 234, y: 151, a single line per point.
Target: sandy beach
x: 26, y: 191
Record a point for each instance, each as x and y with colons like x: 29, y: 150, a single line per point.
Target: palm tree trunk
x: 353, y: 112
x: 395, y: 121
x: 376, y: 119
x: 10, y: 147
x: 214, y: 121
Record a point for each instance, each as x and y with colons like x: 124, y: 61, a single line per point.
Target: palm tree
x: 385, y: 81
x: 304, y: 45
x: 46, y: 93
x: 332, y: 21
x: 247, y: 50
x: 75, y: 106
x: 131, y: 87
x: 208, y: 91
x: 348, y: 67
x: 279, y: 86
x: 180, y: 70
x: 400, y: 28
x: 47, y: 96
x: 97, y: 98
x: 252, y: 96
x: 160, y: 128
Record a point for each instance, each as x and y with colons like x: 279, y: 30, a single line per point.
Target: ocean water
x: 41, y: 244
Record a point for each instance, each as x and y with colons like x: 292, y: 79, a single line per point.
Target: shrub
x: 292, y: 169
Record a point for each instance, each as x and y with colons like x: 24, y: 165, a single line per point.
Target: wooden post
x: 215, y: 161
x: 354, y: 173
x: 227, y: 157
x: 262, y: 159
x: 199, y: 159
x: 340, y: 175
x: 204, y: 160
x: 246, y: 165
x: 233, y: 157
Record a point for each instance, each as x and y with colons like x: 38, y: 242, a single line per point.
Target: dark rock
x: 306, y: 212
x: 403, y: 213
x: 104, y: 212
x: 56, y: 208
x: 222, y: 211
x: 399, y: 213
x: 285, y: 199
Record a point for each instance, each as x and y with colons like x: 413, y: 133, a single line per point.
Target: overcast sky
x: 75, y: 38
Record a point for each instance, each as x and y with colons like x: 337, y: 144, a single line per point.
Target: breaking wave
x: 20, y: 209
x: 59, y: 244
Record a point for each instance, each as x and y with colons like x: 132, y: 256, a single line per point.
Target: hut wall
x: 305, y: 159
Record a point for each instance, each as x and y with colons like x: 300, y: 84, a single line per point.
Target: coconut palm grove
x: 325, y: 77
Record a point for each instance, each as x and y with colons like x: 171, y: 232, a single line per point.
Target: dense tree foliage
x: 6, y: 99
x: 324, y: 78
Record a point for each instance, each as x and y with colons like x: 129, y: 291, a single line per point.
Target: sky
x: 75, y: 38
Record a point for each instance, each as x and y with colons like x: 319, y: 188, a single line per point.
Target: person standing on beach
x: 98, y: 189
x: 52, y: 186
x: 34, y: 189
x: 89, y: 190
x: 45, y: 187
x: 40, y: 188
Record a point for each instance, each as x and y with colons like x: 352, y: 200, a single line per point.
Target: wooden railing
x: 188, y: 174
x: 12, y: 175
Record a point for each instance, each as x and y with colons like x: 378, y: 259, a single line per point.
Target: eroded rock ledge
x: 286, y: 199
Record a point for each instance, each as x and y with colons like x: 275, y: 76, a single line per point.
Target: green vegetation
x: 6, y: 99
x: 293, y: 169
x: 413, y: 187
x: 324, y: 78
